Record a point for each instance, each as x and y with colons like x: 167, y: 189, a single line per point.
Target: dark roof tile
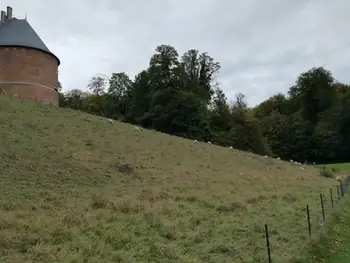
x: 18, y: 32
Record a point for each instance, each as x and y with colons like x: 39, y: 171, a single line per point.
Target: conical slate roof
x: 18, y: 32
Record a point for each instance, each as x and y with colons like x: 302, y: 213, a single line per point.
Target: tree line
x: 179, y: 95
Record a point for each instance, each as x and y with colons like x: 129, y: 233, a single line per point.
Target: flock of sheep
x: 136, y: 128
x: 209, y: 142
x: 278, y: 158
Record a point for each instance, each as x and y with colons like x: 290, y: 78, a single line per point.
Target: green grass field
x: 343, y: 167
x: 76, y: 188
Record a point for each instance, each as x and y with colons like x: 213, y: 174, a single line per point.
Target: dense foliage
x: 179, y: 96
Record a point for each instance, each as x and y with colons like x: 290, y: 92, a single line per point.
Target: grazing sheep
x: 291, y: 161
x: 265, y: 156
x: 110, y: 120
x: 209, y: 142
x: 278, y: 158
x: 302, y: 168
x: 195, y: 141
x: 314, y: 163
x: 137, y: 128
x: 231, y: 147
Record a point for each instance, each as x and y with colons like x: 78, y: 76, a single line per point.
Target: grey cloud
x: 262, y: 45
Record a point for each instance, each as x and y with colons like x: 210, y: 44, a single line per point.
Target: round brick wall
x: 28, y: 74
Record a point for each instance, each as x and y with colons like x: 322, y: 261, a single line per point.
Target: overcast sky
x: 262, y: 45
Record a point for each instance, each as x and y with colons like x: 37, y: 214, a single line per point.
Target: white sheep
x: 137, y: 128
x: 291, y: 161
x: 110, y: 120
x: 209, y: 142
x: 302, y: 168
x: 231, y: 147
x: 278, y: 158
x: 338, y: 178
x: 265, y: 156
x: 195, y: 141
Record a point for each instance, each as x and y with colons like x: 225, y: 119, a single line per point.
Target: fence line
x: 268, y: 243
x: 308, y: 219
x: 341, y: 190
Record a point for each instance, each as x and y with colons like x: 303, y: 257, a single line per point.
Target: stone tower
x: 28, y: 69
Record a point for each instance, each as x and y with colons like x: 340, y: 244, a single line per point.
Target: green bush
x: 326, y: 173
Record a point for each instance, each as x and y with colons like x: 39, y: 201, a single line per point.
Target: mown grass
x: 333, y: 245
x: 75, y: 188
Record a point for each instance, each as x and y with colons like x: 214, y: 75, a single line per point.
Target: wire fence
x: 314, y: 220
x: 333, y: 197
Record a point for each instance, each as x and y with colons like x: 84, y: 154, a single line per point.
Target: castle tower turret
x: 28, y: 69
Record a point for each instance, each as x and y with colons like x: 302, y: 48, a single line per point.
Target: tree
x: 97, y: 105
x: 220, y: 118
x: 162, y: 100
x: 137, y: 110
x: 59, y: 84
x: 74, y: 99
x: 61, y: 97
x: 240, y: 102
x: 162, y: 65
x: 277, y: 103
x: 313, y: 93
x: 119, y: 94
x: 200, y: 72
x: 61, y: 100
x: 97, y: 84
x: 184, y: 114
x: 119, y: 85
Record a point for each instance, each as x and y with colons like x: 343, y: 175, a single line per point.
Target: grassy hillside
x: 76, y: 188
